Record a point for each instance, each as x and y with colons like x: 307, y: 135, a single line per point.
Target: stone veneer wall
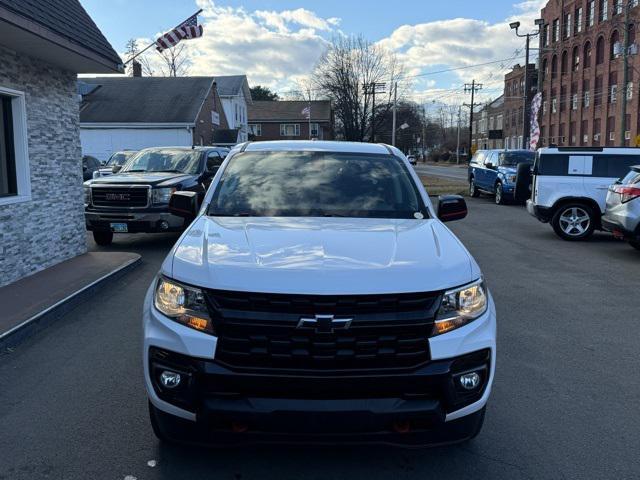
x: 50, y: 228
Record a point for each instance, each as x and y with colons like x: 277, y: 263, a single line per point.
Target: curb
x: 43, y: 319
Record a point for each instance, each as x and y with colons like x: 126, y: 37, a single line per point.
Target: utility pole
x: 526, y: 120
x: 395, y: 107
x: 458, y: 142
x: 372, y: 88
x: 625, y: 74
x: 472, y: 87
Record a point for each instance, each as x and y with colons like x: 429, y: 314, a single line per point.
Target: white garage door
x: 101, y: 143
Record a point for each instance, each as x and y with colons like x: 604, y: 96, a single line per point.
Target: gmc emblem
x: 118, y: 196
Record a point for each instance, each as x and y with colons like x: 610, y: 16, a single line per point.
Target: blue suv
x: 494, y: 172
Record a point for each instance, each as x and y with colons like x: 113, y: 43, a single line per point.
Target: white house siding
x: 49, y: 227
x: 231, y: 105
x: 102, y: 142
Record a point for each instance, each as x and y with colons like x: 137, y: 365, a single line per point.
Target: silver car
x: 622, y: 215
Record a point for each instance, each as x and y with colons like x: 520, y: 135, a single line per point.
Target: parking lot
x: 564, y: 401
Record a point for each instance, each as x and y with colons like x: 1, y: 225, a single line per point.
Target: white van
x: 570, y: 185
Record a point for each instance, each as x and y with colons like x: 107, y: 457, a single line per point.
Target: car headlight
x: 184, y: 304
x: 87, y: 196
x: 162, y: 195
x: 460, y: 306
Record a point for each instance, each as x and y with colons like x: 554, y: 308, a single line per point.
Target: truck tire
x: 500, y: 200
x: 574, y: 221
x: 103, y: 238
x: 473, y: 190
x: 523, y: 183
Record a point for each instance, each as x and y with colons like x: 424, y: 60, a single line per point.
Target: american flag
x: 185, y: 31
x: 306, y: 112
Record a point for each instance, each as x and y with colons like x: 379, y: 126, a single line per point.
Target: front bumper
x: 137, y: 222
x: 289, y: 406
x: 543, y: 214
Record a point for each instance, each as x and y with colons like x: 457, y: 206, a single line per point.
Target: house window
x: 600, y: 51
x: 499, y: 122
x: 315, y: 130
x: 617, y: 7
x: 603, y: 10
x: 14, y: 162
x: 567, y: 25
x: 545, y: 36
x: 591, y: 14
x: 587, y: 99
x: 613, y: 94
x: 574, y: 102
x: 289, y: 129
x: 554, y: 105
x: 629, y: 90
x: 556, y: 30
x: 544, y: 107
x: 578, y: 27
x: 255, y: 129
x: 587, y: 54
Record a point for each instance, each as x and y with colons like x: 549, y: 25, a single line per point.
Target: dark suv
x: 494, y: 172
x: 136, y: 200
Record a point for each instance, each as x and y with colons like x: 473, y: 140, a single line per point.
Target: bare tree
x: 341, y: 74
x: 175, y: 62
x: 132, y: 49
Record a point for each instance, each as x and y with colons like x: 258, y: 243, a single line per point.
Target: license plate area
x: 119, y: 227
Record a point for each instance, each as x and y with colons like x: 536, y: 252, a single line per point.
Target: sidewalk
x: 34, y: 302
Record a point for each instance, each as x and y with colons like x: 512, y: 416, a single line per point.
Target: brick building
x: 488, y: 125
x: 582, y: 71
x: 514, y: 105
x: 285, y: 120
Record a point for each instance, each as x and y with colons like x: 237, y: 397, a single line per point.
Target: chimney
x: 137, y: 68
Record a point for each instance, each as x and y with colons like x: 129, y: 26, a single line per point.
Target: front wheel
x: 103, y: 238
x: 574, y: 222
x: 635, y: 244
x: 473, y: 190
x: 500, y: 194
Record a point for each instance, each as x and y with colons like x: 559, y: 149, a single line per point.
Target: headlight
x: 162, y: 195
x: 460, y: 306
x: 184, y: 304
x: 512, y: 178
x: 87, y: 196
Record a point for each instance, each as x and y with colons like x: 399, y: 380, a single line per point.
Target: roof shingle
x: 144, y: 99
x: 68, y: 19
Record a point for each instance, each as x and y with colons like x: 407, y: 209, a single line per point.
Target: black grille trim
x: 133, y: 196
x: 259, y: 332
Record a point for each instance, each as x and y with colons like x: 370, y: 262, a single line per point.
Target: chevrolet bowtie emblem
x: 325, y: 323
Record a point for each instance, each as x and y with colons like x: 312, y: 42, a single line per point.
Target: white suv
x: 317, y: 296
x: 570, y: 185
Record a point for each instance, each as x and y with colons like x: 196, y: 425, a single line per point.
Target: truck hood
x: 320, y: 256
x: 159, y: 179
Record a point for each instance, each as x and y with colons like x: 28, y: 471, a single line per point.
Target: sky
x: 277, y: 43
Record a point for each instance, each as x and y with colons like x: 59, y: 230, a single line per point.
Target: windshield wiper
x: 169, y: 171
x: 133, y: 171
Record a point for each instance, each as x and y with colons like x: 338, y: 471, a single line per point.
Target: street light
x: 525, y: 114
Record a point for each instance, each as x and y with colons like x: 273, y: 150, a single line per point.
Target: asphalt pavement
x: 564, y: 404
x: 448, y: 172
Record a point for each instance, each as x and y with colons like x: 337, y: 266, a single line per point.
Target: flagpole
x: 149, y: 46
x: 309, y: 107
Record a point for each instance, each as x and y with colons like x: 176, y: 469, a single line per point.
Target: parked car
x: 412, y: 159
x: 89, y: 166
x: 622, y: 213
x: 318, y: 296
x: 494, y: 172
x: 136, y: 199
x: 570, y: 186
x: 115, y: 163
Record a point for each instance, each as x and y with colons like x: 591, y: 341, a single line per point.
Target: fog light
x: 469, y: 381
x: 164, y: 225
x: 170, y: 379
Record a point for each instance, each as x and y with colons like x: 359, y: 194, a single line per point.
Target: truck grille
x: 262, y: 331
x: 126, y: 197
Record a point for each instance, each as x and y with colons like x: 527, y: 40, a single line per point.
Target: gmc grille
x: 125, y: 197
x: 261, y: 331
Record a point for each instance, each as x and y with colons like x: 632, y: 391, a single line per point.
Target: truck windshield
x: 316, y: 184
x: 165, y: 160
x: 514, y: 158
x: 119, y: 158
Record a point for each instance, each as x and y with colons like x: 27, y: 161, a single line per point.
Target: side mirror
x: 451, y: 207
x: 490, y: 165
x: 116, y: 168
x: 184, y: 204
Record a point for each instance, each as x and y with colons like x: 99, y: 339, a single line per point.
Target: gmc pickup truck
x: 318, y: 296
x: 136, y: 199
